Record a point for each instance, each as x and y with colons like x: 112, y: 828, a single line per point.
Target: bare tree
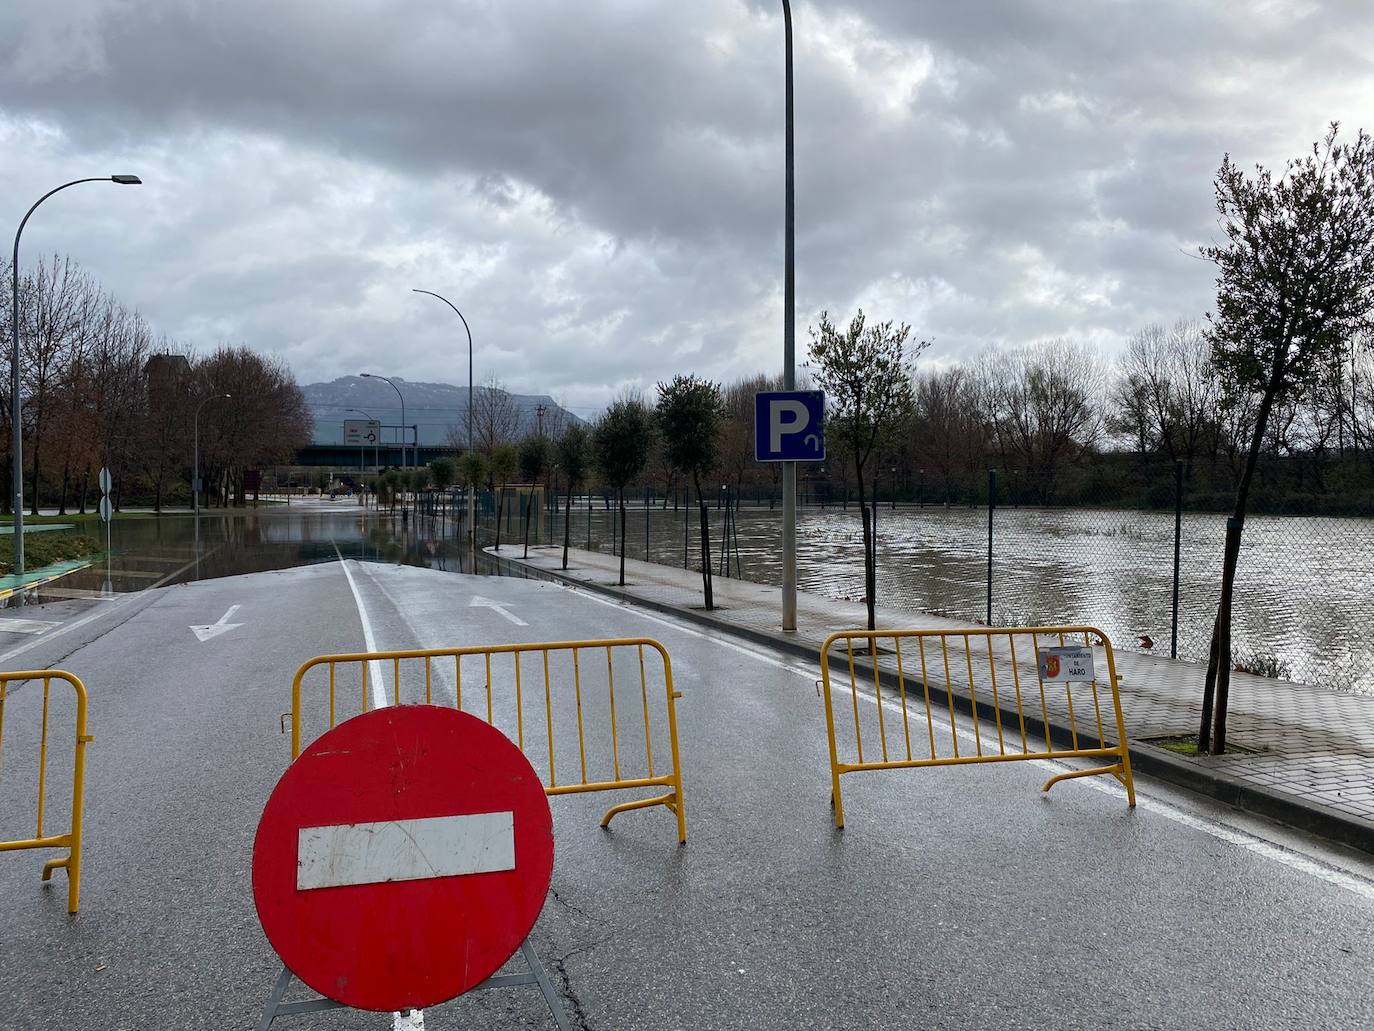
x: 50, y: 322
x: 1166, y: 391
x: 1044, y: 403
x: 495, y: 417
x: 950, y: 435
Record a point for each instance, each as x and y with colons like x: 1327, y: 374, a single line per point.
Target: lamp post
x: 789, y: 341
x: 195, y: 468
x: 472, y: 529
x: 16, y: 403
x: 375, y: 445
x: 404, y: 465
x: 385, y: 379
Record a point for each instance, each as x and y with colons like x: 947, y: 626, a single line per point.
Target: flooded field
x: 1303, y: 609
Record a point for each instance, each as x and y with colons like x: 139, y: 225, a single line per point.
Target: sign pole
x: 789, y: 348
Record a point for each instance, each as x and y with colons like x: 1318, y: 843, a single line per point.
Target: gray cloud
x: 598, y: 184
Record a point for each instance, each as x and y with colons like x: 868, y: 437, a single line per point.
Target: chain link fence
x: 1006, y: 549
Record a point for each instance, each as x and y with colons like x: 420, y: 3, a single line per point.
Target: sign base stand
x: 535, y: 975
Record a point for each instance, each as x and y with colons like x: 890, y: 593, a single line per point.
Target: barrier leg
x: 1074, y: 774
x: 269, y: 1012
x: 836, y: 802
x: 545, y: 987
x: 1125, y: 775
x: 679, y: 807
x: 643, y: 803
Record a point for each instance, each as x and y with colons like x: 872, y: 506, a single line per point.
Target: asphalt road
x: 956, y: 898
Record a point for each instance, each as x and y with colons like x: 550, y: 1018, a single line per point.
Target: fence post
x: 1178, y: 538
x: 646, y: 524
x: 992, y: 505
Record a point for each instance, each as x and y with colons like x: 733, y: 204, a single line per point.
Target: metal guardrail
x: 568, y: 693
x: 71, y: 839
x: 927, y: 679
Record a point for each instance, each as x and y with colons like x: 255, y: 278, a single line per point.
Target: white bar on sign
x: 404, y: 850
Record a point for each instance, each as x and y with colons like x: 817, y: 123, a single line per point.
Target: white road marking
x: 404, y: 850
x: 1211, y: 826
x: 413, y: 1020
x: 120, y: 601
x: 66, y: 628
x: 26, y: 626
x: 206, y: 631
x: 486, y: 603
x: 379, y: 700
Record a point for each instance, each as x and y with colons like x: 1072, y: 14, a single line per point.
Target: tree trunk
x: 567, y: 522
x: 66, y: 485
x: 529, y: 511
x: 1216, y: 691
x: 620, y: 501
x: 85, y: 488
x: 704, y: 517
x: 870, y: 577
x: 37, y: 440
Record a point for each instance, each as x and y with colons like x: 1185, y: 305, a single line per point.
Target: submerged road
x: 956, y: 897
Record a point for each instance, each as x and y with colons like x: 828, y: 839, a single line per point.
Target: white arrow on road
x: 487, y: 603
x: 209, y: 630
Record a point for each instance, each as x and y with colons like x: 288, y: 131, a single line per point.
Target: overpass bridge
x: 350, y: 457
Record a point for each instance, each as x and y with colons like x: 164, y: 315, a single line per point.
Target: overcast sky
x: 597, y: 184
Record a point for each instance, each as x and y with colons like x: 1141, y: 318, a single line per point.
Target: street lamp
x: 472, y: 529
x: 16, y: 403
x: 373, y: 375
x: 195, y: 468
x: 789, y: 341
x: 375, y: 445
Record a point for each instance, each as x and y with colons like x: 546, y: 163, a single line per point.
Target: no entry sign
x: 403, y: 858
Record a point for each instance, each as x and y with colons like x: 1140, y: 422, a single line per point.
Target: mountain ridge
x: 434, y: 408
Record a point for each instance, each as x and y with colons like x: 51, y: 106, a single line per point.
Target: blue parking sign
x: 789, y: 426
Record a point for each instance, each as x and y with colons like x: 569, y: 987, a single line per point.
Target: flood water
x: 1302, y: 604
x: 1302, y: 599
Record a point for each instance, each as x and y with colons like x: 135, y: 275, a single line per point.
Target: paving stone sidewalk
x: 1309, y: 746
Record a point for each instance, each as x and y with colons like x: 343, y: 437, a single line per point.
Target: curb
x: 49, y: 578
x: 1279, y: 806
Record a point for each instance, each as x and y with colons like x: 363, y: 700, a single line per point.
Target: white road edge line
x: 415, y: 1019
x: 379, y: 699
x: 1221, y: 831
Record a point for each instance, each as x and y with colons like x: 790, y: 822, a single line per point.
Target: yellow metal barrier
x: 71, y: 840
x: 924, y: 671
x: 567, y: 671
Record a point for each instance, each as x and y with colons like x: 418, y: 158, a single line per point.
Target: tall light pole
x: 195, y: 468
x: 16, y: 403
x: 472, y: 530
x: 789, y: 342
x: 376, y: 444
x: 385, y: 379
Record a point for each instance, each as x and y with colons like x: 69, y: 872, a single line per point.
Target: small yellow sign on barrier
x: 582, y: 706
x: 919, y: 674
x: 71, y: 839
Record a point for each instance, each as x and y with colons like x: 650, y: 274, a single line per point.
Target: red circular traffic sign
x: 403, y: 858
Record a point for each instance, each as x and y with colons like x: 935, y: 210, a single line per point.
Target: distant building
x: 165, y: 371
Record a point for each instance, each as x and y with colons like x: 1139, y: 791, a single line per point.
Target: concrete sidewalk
x: 1311, y: 750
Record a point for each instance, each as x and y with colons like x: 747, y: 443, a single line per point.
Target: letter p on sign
x: 789, y: 426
